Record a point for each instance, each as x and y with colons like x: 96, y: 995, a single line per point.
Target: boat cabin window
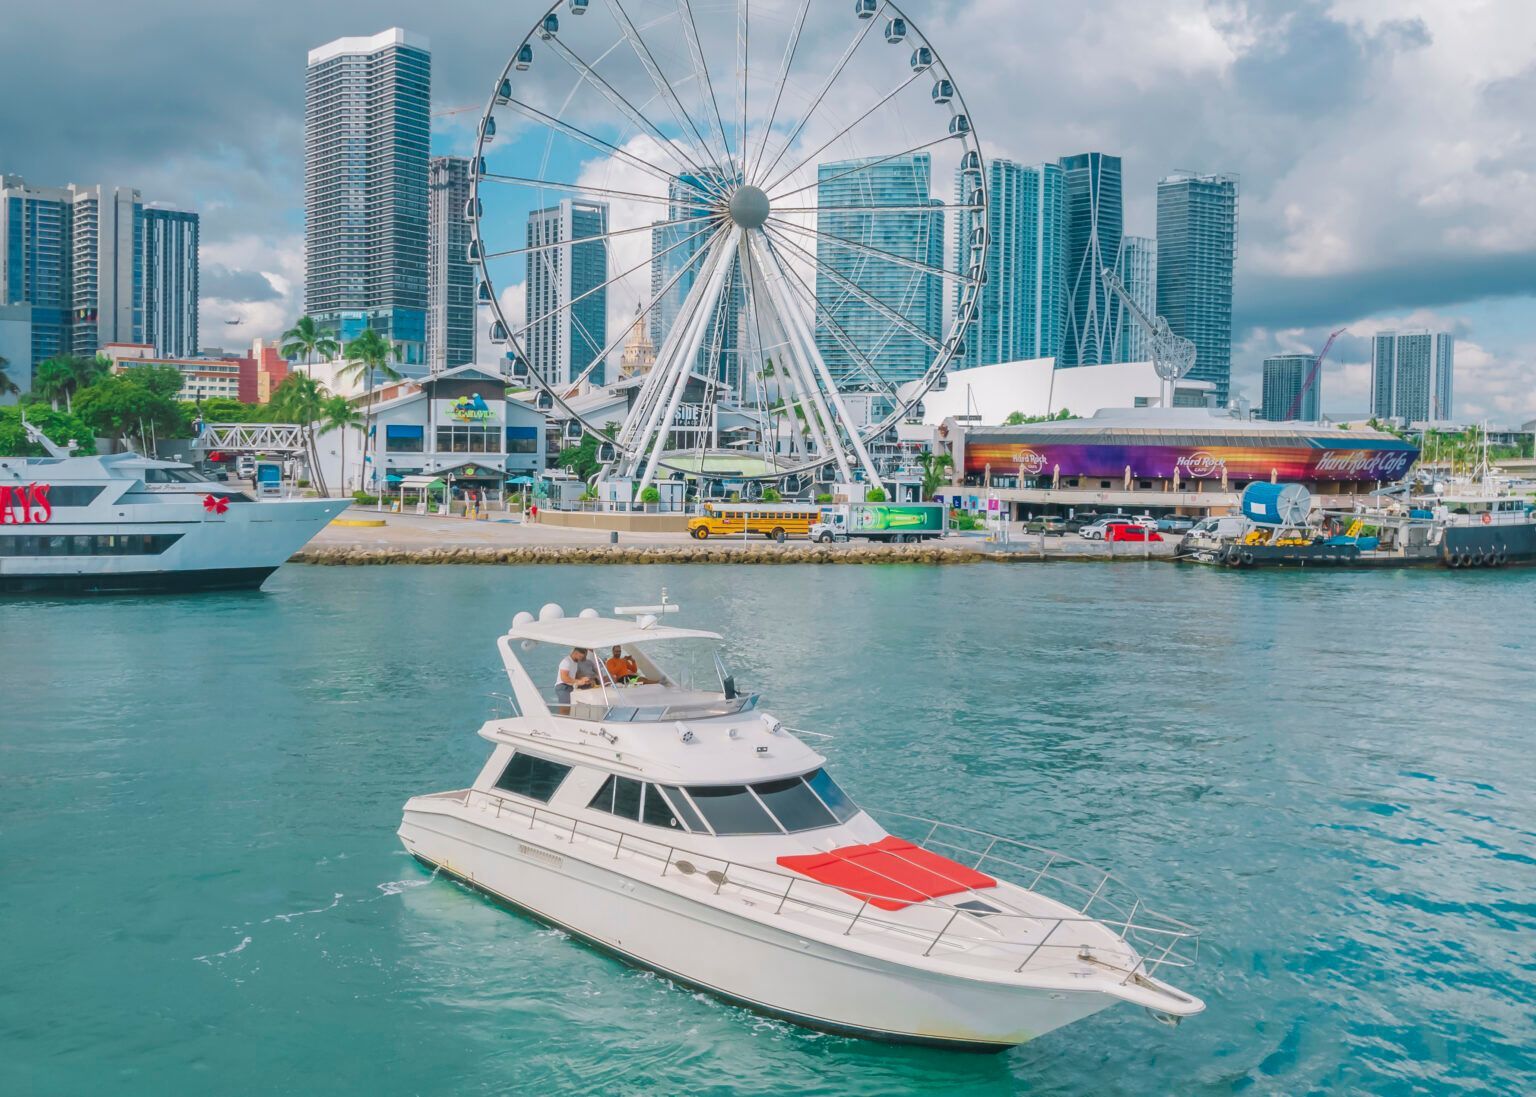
x: 794, y: 805
x: 732, y: 809
x: 679, y: 801
x: 658, y: 813
x: 624, y: 796
x: 175, y: 476
x: 831, y: 795
x: 535, y: 778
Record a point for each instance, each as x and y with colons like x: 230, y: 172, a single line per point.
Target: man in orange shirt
x: 622, y: 668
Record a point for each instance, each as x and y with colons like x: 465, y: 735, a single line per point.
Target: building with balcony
x: 567, y: 298
x: 1412, y: 375
x: 450, y: 274
x: 1287, y: 395
x: 170, y: 267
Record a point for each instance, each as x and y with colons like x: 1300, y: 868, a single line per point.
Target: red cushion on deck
x: 891, y: 873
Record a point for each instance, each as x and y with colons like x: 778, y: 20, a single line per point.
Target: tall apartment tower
x: 1411, y: 375
x: 171, y: 282
x: 1022, y: 306
x: 1196, y: 252
x: 107, y: 269
x: 895, y: 354
x: 450, y: 275
x: 563, y: 341
x: 1095, y: 226
x: 1138, y: 269
x: 367, y: 118
x: 36, y: 261
x: 1285, y: 376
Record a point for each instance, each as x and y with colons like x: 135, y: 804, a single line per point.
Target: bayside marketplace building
x: 1160, y: 461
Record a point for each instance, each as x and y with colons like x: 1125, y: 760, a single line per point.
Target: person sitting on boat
x: 624, y: 670
x: 576, y: 672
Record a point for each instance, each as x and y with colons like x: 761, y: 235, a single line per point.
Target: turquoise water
x: 1333, y: 775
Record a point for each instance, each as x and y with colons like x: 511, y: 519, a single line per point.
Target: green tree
x: 61, y: 427
x: 581, y: 459
x: 138, y: 405
x: 62, y: 377
x: 337, y: 413
x: 305, y: 340
x: 1019, y: 419
x: 368, y: 358
x: 875, y: 495
x: 936, y: 469
x: 301, y: 399
x: 7, y: 386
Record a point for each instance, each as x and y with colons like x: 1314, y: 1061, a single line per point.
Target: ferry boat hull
x: 1460, y: 547
x: 772, y: 971
x: 138, y: 582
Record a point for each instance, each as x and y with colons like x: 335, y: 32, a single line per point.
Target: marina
x: 1355, y: 890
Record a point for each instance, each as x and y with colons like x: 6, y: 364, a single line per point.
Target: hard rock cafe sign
x: 23, y: 505
x: 1201, y: 465
x: 1030, y: 462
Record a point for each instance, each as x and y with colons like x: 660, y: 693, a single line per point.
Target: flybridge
x: 25, y: 505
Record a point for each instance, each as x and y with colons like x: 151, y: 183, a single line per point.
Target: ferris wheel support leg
x: 823, y: 432
x: 719, y: 267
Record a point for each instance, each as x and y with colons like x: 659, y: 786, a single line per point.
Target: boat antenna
x: 38, y: 438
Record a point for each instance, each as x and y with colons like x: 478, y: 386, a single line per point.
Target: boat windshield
x: 650, y: 682
x: 175, y: 476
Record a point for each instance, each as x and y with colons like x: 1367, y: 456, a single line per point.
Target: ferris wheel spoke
x: 874, y: 253
x: 778, y: 96
x: 701, y: 210
x: 664, y: 88
x: 743, y: 71
x: 805, y: 116
x: 561, y: 126
x: 862, y: 167
x: 701, y: 73
x: 827, y: 318
x: 840, y: 134
x: 614, y: 96
x: 873, y: 302
x: 534, y: 249
x: 576, y: 300
x: 933, y: 207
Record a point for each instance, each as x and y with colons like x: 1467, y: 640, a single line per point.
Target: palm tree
x: 368, y: 358
x: 7, y: 386
x: 301, y: 399
x: 306, y: 339
x: 337, y: 413
x: 61, y: 377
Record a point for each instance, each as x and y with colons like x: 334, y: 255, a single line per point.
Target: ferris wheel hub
x: 750, y: 207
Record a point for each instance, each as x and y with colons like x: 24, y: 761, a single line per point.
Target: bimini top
x: 602, y: 632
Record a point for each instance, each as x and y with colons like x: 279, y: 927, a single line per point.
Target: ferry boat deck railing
x: 1151, y: 940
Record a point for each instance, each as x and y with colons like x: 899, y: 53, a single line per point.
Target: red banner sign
x: 22, y: 506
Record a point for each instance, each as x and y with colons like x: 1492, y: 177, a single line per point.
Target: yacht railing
x: 1152, y: 940
x: 632, y: 714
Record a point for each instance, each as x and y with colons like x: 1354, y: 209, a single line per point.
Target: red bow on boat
x: 215, y: 504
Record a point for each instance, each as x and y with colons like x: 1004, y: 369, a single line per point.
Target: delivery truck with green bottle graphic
x: 879, y: 522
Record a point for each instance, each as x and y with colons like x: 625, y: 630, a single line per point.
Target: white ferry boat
x: 125, y: 523
x: 659, y: 813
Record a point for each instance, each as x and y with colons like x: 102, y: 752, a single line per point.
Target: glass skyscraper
x: 1022, y: 307
x: 171, y: 282
x: 1285, y: 375
x: 672, y: 247
x: 1411, y: 374
x: 366, y: 131
x: 450, y: 275
x: 1196, y: 251
x: 36, y: 255
x: 1095, y: 225
x: 563, y: 339
x: 895, y: 354
x: 1138, y: 270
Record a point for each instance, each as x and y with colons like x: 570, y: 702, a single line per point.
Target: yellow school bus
x: 777, y: 521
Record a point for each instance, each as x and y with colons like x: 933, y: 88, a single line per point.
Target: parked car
x: 1145, y: 521
x: 1094, y: 531
x: 1130, y: 531
x: 1175, y: 523
x: 1048, y: 525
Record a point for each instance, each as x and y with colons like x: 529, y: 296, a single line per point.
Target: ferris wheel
x: 761, y: 225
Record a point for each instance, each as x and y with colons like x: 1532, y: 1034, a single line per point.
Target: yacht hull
x: 138, y: 582
x: 743, y: 960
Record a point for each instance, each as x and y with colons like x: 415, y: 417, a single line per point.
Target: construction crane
x: 1317, y: 368
x: 1173, y: 356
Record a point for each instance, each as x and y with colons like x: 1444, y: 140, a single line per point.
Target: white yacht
x: 125, y: 523
x: 665, y: 817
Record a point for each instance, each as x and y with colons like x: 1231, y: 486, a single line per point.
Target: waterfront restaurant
x: 459, y: 426
x: 1160, y: 461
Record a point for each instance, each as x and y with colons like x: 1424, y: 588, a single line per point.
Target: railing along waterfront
x: 1154, y: 939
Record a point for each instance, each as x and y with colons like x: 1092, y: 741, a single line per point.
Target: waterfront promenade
x: 417, y: 539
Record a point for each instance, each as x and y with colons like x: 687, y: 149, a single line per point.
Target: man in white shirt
x: 576, y: 672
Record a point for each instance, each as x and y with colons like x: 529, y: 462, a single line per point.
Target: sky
x: 1386, y: 149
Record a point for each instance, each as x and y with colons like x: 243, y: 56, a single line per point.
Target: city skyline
x: 1322, y: 247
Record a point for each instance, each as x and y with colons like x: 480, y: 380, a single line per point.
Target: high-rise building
x: 1022, y: 307
x: 1196, y: 251
x: 171, y: 281
x: 367, y: 118
x: 567, y: 306
x: 893, y: 352
x: 36, y: 253
x: 450, y: 275
x: 1138, y: 269
x: 1411, y: 375
x: 107, y: 269
x: 1285, y: 378
x: 1095, y: 225
x: 675, y: 267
